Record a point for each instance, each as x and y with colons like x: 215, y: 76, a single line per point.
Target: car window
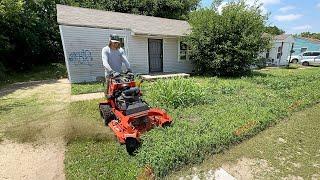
x: 307, y: 54
x: 316, y: 54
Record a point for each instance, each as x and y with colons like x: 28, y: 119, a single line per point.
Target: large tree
x: 274, y: 30
x: 29, y: 33
x: 227, y: 43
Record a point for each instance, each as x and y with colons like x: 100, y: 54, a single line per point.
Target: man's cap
x: 114, y: 38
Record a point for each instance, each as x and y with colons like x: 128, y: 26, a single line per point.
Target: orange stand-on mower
x: 127, y: 114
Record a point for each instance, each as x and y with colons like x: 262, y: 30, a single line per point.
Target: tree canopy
x: 310, y: 35
x: 274, y: 30
x: 29, y: 33
x: 227, y: 43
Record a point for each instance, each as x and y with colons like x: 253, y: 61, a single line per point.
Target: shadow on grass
x: 8, y: 89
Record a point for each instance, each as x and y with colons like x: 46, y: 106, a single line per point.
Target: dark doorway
x: 155, y: 50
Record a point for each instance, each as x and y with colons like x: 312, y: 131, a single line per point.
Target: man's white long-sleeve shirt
x: 113, y: 59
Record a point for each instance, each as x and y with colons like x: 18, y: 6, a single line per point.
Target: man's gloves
x: 114, y: 74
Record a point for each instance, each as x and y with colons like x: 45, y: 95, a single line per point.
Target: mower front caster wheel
x: 132, y: 144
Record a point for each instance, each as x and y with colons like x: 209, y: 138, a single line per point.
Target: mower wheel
x: 166, y: 124
x: 132, y: 144
x: 106, y: 114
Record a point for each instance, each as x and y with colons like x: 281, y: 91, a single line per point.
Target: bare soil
x: 32, y: 118
x: 28, y: 161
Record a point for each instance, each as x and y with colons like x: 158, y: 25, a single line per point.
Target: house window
x: 122, y: 43
x: 279, y: 52
x: 183, y: 51
x: 268, y: 55
x: 303, y: 49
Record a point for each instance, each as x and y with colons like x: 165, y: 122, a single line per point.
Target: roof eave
x: 151, y: 34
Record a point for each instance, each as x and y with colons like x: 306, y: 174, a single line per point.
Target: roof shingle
x: 139, y: 24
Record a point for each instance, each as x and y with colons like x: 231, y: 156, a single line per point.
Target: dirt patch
x: 26, y: 161
x: 33, y: 118
x: 247, y: 168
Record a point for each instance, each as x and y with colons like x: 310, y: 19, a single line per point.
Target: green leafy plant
x: 227, y: 43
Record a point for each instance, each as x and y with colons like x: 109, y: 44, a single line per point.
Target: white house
x: 152, y: 44
x: 280, y: 51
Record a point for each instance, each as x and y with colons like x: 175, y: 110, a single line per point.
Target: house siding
x: 82, y: 49
x: 287, y: 44
x: 285, y: 53
x: 138, y: 46
x: 305, y: 43
x: 171, y: 61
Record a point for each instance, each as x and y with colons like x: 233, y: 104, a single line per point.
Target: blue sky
x: 293, y: 16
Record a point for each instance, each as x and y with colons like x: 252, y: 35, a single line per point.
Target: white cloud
x: 302, y: 28
x: 222, y: 5
x: 288, y: 17
x: 254, y: 2
x: 250, y: 3
x: 264, y: 2
x: 267, y: 2
x: 286, y: 8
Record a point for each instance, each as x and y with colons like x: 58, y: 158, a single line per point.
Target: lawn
x: 43, y: 72
x: 290, y: 149
x: 83, y: 88
x: 209, y: 113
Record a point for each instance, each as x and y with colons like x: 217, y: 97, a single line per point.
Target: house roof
x: 138, y: 24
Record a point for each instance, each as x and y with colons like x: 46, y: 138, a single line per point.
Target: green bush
x: 227, y: 44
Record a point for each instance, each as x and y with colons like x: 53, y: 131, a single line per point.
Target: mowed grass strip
x: 209, y: 115
x: 84, y: 88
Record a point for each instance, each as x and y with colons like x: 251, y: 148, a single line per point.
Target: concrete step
x: 150, y: 77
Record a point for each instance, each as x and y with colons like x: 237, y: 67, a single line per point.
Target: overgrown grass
x: 220, y: 113
x: 83, y: 88
x: 290, y: 149
x: 43, y: 72
x: 178, y: 92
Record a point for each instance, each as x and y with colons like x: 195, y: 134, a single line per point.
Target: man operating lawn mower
x: 112, y: 58
x: 124, y: 110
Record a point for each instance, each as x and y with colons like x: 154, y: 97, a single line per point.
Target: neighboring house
x: 152, y: 44
x: 279, y: 53
x: 304, y: 44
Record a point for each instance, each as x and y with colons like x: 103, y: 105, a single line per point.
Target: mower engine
x: 130, y: 101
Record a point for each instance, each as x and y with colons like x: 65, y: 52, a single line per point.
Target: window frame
x: 179, y: 52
